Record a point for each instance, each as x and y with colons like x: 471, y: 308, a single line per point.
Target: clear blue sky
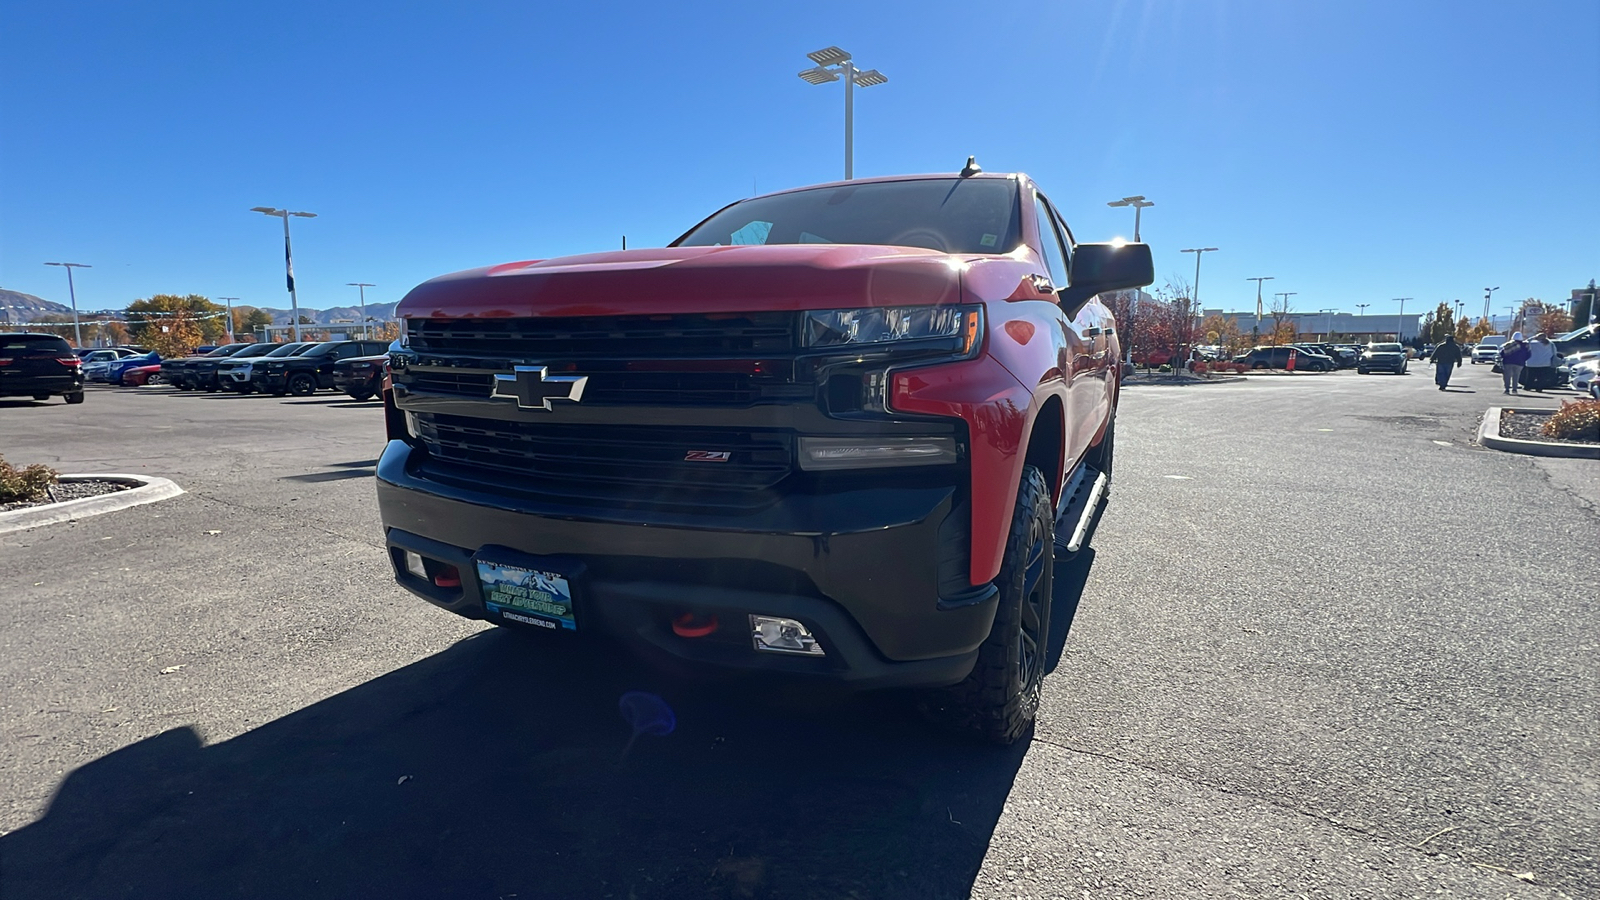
x: 1358, y: 151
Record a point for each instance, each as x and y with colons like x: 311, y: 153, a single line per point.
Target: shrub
x: 1576, y: 421
x: 24, y: 485
x: 1165, y: 368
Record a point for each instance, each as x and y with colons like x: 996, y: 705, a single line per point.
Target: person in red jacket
x: 1446, y: 358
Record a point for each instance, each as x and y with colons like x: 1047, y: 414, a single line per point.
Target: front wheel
x: 302, y: 384
x: 74, y: 397
x: 1000, y: 698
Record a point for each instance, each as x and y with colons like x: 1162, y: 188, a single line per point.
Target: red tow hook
x: 449, y: 577
x: 690, y: 625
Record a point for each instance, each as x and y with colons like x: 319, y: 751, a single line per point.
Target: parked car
x: 1578, y: 340
x: 182, y: 373
x: 1383, y: 358
x: 301, y: 374
x: 1313, y: 358
x: 96, y: 362
x: 237, y: 372
x: 1586, y: 378
x: 361, y: 377
x: 1278, y: 358
x: 139, y: 376
x: 113, y: 372
x: 39, y: 366
x: 1487, y: 350
x: 683, y: 467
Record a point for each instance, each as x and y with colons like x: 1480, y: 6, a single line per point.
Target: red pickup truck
x: 839, y: 432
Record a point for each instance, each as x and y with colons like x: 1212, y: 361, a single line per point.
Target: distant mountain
x: 380, y: 311
x: 16, y: 306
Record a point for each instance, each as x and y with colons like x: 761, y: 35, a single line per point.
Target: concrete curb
x: 146, y: 489
x: 1182, y: 383
x: 1489, y: 436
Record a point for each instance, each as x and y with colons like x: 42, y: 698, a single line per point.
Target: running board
x: 1079, y: 501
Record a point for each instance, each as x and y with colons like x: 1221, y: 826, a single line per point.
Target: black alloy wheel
x: 1000, y: 698
x: 302, y: 384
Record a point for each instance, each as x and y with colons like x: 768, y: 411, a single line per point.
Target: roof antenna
x: 972, y: 167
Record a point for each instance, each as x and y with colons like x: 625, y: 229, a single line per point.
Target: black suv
x: 178, y: 372
x: 304, y: 372
x: 39, y: 366
x: 1278, y: 358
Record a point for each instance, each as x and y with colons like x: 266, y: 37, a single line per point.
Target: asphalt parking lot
x: 1325, y: 646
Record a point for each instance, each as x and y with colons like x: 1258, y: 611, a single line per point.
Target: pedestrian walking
x: 1540, y: 370
x: 1513, y: 356
x: 1446, y: 358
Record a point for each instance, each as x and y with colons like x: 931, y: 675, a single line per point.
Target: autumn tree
x: 1223, y: 331
x: 172, y: 325
x: 389, y: 331
x: 1439, y: 324
x: 1553, y: 320
x: 1283, y: 330
x: 246, y: 319
x: 1463, y: 331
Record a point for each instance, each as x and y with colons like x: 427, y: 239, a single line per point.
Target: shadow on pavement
x: 495, y: 769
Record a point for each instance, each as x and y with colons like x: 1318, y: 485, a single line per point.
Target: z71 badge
x: 707, y: 456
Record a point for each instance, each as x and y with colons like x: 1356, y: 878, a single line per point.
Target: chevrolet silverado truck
x: 838, y: 432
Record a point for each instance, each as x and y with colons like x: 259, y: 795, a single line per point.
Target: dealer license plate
x: 528, y: 595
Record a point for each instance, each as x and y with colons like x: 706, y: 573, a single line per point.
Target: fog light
x: 821, y: 454
x: 414, y: 565
x: 783, y: 636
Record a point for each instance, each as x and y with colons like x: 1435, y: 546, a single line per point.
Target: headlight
x: 403, y: 342
x: 888, y: 324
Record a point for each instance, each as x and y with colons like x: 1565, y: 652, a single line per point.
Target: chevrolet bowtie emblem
x: 533, y: 388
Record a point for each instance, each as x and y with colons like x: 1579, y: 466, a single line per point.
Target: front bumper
x: 860, y: 568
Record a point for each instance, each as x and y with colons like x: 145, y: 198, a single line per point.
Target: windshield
x: 1383, y: 348
x: 289, y: 349
x: 952, y: 215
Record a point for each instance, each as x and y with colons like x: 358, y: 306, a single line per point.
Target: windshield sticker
x: 989, y: 240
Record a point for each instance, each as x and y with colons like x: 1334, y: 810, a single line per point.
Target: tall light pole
x: 288, y: 258
x: 1198, y: 253
x: 1487, y: 292
x: 362, y: 286
x: 1255, y: 331
x: 229, y: 320
x: 77, y: 332
x: 1459, y: 309
x: 831, y: 64
x: 1399, y: 322
x: 1139, y: 203
x: 1327, y: 330
x: 1285, y: 295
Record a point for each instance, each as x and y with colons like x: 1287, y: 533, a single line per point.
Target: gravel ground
x: 72, y: 490
x: 1526, y: 426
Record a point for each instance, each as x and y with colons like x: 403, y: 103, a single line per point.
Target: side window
x: 374, y: 348
x: 1054, y: 256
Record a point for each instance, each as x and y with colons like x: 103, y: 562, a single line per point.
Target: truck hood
x: 695, y: 280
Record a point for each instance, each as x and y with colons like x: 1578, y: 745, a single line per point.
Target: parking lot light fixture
x: 1139, y: 204
x: 288, y: 257
x: 834, y: 64
x: 72, y: 292
x: 1255, y: 330
x: 229, y: 320
x: 1399, y: 321
x: 362, y: 286
x: 1487, y: 293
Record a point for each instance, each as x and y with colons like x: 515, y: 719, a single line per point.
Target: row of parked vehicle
x: 1364, y: 358
x: 301, y: 369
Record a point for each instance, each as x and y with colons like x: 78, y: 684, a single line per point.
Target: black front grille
x: 666, y: 336
x: 595, y: 461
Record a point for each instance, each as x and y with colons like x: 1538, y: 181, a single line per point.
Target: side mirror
x: 1097, y: 268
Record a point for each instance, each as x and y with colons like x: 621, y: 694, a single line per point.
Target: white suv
x: 1488, y: 349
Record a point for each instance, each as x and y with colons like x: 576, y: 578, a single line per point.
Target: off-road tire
x: 302, y: 384
x: 999, y: 699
